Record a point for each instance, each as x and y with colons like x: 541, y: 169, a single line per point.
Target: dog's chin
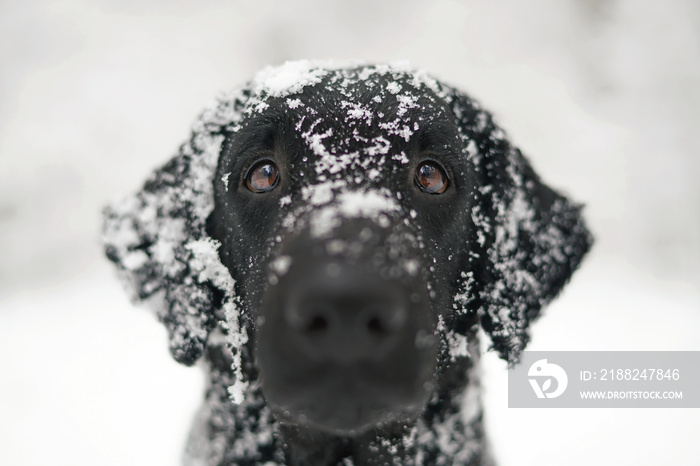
x: 345, y: 420
x: 346, y: 404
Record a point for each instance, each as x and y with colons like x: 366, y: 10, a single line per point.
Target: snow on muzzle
x: 345, y: 339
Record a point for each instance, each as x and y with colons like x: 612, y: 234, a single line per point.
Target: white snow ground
x: 604, y: 97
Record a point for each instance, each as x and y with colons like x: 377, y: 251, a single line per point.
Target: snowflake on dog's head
x: 521, y: 240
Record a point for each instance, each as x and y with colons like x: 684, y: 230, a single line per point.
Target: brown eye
x: 263, y: 177
x: 431, y: 178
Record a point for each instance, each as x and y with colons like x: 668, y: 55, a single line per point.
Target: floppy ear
x: 528, y: 239
x: 158, y: 241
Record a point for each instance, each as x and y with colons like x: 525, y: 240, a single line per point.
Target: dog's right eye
x: 262, y: 177
x: 431, y: 178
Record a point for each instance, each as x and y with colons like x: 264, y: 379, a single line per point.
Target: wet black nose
x: 344, y: 341
x: 347, y: 321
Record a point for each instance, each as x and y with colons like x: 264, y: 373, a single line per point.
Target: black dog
x: 329, y: 240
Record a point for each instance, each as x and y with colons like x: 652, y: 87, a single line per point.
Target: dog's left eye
x: 262, y: 177
x: 431, y: 178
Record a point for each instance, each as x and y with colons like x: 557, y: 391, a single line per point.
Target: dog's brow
x: 435, y: 135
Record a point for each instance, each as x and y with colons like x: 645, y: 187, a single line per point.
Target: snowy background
x: 603, y: 96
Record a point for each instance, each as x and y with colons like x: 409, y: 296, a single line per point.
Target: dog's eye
x: 262, y: 177
x: 431, y: 178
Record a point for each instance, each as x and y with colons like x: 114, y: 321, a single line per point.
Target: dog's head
x: 348, y: 227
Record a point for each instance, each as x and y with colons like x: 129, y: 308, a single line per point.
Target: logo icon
x: 546, y: 372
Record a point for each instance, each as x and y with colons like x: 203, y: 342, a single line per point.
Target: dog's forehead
x: 377, y: 82
x: 362, y: 121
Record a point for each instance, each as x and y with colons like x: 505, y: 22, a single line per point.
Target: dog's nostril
x: 317, y: 324
x: 383, y: 320
x: 376, y: 326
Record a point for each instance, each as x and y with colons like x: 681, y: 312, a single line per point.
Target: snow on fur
x: 158, y: 241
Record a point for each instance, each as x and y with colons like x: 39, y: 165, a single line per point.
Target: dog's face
x: 370, y: 218
x: 342, y: 219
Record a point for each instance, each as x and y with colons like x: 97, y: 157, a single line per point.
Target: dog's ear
x: 158, y: 240
x: 149, y: 237
x: 527, y: 239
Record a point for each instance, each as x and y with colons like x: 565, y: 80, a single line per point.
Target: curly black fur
x: 493, y: 251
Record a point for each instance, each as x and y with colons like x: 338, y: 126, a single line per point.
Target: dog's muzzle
x: 345, y: 334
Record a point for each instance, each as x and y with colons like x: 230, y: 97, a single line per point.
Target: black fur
x: 493, y: 249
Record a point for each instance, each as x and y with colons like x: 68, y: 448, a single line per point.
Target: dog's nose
x: 347, y: 320
x: 344, y: 337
